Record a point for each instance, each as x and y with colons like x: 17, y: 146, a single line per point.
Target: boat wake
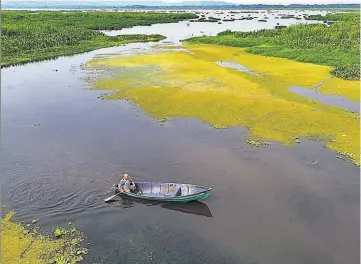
x: 44, y: 194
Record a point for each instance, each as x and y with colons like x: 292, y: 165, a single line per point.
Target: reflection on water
x: 194, y: 207
x: 328, y: 99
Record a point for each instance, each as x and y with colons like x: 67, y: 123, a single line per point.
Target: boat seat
x: 176, y: 192
x: 179, y: 192
x: 137, y: 188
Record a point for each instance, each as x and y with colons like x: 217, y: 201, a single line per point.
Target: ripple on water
x: 46, y: 194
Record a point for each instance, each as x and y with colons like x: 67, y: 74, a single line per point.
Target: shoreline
x: 303, y: 43
x: 56, y: 52
x: 25, y: 38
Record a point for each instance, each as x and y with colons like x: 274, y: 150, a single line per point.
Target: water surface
x: 63, y: 148
x: 328, y: 99
x: 175, y: 32
x: 236, y: 66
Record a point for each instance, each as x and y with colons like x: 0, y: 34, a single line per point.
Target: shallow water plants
x: 191, y: 84
x: 337, y: 46
x: 27, y: 37
x: 27, y: 245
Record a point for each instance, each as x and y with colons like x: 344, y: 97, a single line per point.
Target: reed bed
x: 336, y: 45
x: 30, y: 36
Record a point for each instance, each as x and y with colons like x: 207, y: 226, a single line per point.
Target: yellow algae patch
x: 183, y: 84
x: 129, y: 77
x: 349, y: 89
x: 282, y: 70
x: 20, y: 245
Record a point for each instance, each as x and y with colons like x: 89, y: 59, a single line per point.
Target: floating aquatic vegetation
x: 162, y: 121
x: 191, y: 84
x: 349, y: 89
x: 257, y: 143
x: 219, y: 126
x: 297, y: 140
x: 336, y: 45
x: 21, y: 244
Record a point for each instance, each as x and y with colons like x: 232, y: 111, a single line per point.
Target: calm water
x: 178, y: 31
x: 63, y: 148
x: 235, y: 66
x: 328, y: 99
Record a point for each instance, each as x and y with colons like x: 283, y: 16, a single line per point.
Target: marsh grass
x: 337, y: 45
x: 18, y: 56
x: 27, y: 37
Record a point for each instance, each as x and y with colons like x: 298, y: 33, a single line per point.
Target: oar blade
x: 110, y: 198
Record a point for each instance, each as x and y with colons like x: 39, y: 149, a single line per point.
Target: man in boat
x: 126, y: 184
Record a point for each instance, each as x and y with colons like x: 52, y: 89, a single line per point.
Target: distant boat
x: 167, y: 192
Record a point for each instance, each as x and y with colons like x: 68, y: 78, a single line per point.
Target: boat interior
x: 154, y: 189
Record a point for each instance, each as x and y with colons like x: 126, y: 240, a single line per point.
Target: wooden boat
x: 168, y: 192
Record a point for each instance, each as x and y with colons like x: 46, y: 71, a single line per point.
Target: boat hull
x: 188, y: 198
x: 168, y: 192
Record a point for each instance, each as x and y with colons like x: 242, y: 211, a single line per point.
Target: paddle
x: 112, y: 197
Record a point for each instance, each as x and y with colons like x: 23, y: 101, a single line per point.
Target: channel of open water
x: 63, y: 148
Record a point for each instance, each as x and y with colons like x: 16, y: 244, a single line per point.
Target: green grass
x: 92, y: 20
x: 32, y: 36
x: 52, y: 52
x: 337, y: 45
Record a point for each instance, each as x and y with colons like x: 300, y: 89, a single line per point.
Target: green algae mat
x: 190, y: 83
x: 25, y: 244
